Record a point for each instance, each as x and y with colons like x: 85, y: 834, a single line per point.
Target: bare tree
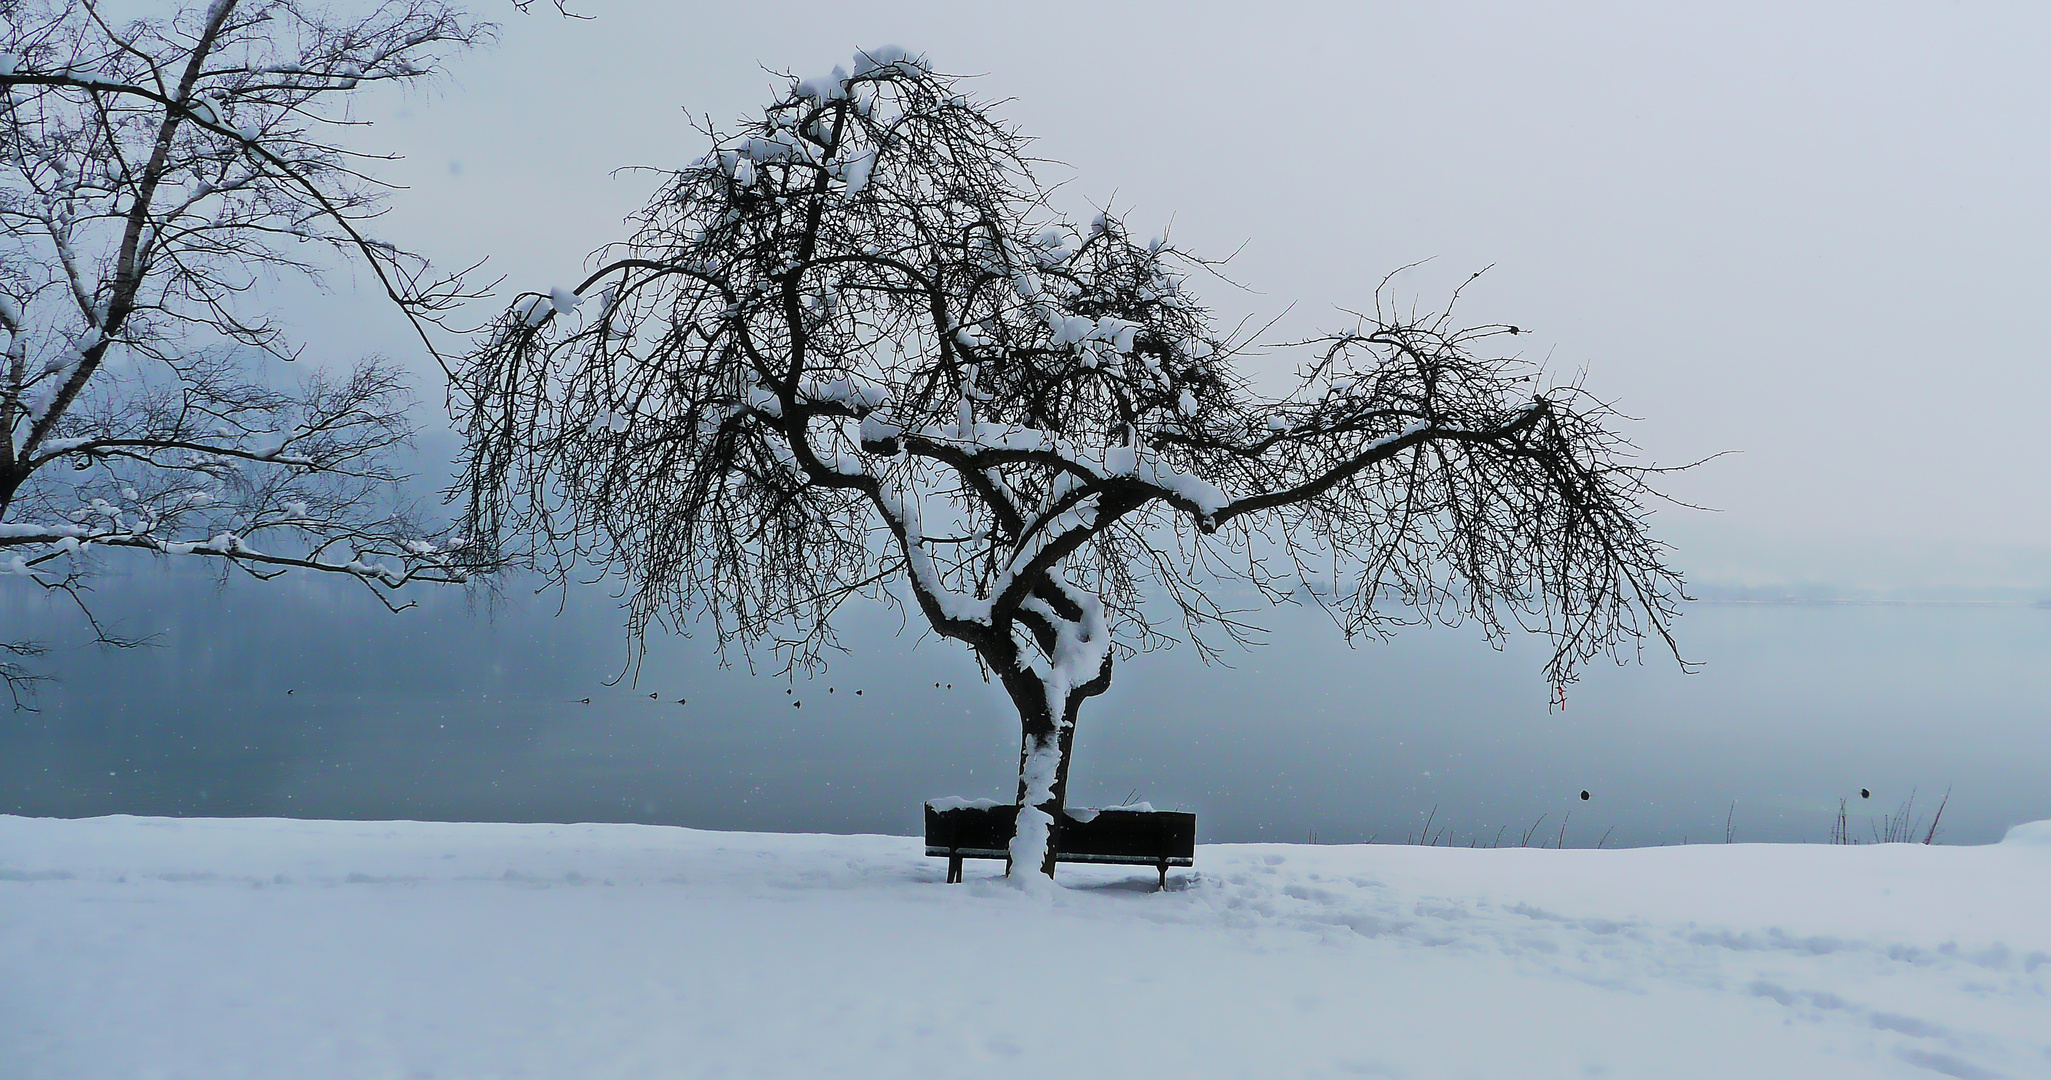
x: 854, y: 351
x: 157, y: 175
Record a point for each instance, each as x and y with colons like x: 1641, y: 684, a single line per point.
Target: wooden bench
x: 957, y: 830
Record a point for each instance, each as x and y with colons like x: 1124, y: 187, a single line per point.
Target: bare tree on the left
x: 156, y: 176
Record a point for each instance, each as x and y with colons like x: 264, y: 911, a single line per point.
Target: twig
x: 1939, y: 816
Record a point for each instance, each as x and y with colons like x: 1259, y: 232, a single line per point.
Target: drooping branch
x: 20, y: 679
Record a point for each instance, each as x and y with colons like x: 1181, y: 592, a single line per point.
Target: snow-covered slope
x: 153, y: 948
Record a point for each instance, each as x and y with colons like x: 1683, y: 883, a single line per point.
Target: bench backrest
x: 1151, y: 834
x: 1120, y: 834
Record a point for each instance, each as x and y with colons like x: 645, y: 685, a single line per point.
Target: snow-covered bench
x: 1137, y: 835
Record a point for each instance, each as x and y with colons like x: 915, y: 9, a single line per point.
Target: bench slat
x: 1126, y: 860
x: 968, y: 852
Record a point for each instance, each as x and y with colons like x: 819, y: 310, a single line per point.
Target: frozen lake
x: 296, y: 700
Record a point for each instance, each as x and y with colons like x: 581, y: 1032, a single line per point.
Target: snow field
x: 139, y: 948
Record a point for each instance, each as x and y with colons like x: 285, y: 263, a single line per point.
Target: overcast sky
x: 1813, y: 234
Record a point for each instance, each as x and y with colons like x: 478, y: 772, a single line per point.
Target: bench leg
x: 953, y: 869
x: 1164, y: 878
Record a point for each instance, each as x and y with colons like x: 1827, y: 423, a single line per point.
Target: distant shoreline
x: 1799, y: 601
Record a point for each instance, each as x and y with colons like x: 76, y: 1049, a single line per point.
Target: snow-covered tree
x: 856, y: 352
x: 155, y: 174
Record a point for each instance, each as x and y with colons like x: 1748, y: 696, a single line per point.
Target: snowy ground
x: 153, y: 948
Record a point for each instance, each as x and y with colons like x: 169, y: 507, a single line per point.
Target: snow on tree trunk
x: 1039, y: 767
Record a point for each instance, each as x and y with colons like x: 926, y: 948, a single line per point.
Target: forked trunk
x: 1046, y: 749
x: 1073, y: 665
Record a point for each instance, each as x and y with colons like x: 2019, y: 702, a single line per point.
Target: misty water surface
x: 303, y: 699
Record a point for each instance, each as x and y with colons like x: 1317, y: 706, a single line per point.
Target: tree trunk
x: 1070, y: 632
x: 1042, y: 771
x: 1062, y: 737
x: 1046, y: 750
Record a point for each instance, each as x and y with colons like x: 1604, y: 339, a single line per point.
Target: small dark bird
x: 829, y: 689
x: 950, y: 686
x: 786, y: 689
x: 652, y: 697
x: 585, y: 701
x: 288, y: 693
x: 681, y: 701
x: 797, y: 704
x: 1584, y: 796
x: 1865, y: 793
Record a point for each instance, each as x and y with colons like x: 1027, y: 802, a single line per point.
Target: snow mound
x: 2029, y: 834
